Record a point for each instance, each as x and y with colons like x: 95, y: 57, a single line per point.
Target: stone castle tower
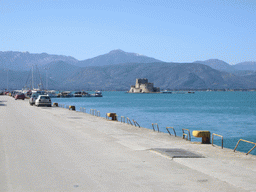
x: 143, y: 86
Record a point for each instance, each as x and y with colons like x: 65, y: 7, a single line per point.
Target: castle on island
x: 143, y: 86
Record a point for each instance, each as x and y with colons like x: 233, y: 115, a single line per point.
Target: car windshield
x: 44, y: 97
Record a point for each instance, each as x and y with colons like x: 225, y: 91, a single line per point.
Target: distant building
x: 143, y: 86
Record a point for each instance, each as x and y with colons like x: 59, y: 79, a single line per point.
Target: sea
x: 229, y: 114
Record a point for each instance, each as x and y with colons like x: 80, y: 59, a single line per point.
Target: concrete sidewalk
x: 54, y: 149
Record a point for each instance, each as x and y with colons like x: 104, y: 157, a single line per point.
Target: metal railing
x: 93, y: 112
x: 128, y: 121
x: 184, y: 134
x: 122, y: 120
x: 153, y: 125
x: 82, y: 109
x: 136, y: 123
x: 246, y: 142
x: 62, y: 105
x: 167, y: 128
x: 218, y: 136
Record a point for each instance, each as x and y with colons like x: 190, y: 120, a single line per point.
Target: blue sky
x: 169, y: 30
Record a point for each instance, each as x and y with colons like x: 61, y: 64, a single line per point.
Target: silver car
x: 33, y: 98
x: 43, y: 100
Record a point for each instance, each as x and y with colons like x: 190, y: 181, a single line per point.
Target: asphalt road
x: 54, y: 149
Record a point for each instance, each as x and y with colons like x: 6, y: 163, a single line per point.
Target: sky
x: 168, y: 30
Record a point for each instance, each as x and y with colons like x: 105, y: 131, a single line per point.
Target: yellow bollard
x: 206, y: 136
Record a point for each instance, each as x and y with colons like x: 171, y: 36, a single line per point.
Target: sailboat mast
x: 32, y: 76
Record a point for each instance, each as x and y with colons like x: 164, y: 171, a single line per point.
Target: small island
x: 143, y: 86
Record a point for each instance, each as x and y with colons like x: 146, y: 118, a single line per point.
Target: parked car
x: 19, y: 96
x: 33, y: 99
x: 43, y: 100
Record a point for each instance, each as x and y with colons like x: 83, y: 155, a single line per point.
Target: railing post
x: 167, y: 128
x: 246, y: 142
x: 218, y: 136
x: 188, y: 136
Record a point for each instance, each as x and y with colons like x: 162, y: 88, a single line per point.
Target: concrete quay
x: 56, y: 149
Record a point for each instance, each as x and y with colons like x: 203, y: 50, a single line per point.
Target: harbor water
x: 230, y: 114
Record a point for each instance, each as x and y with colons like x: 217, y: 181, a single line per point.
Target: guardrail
x: 82, y: 109
x: 184, y: 134
x: 93, y: 112
x: 218, y: 136
x: 167, y: 128
x: 136, y: 123
x: 246, y: 142
x: 62, y: 105
x: 153, y: 125
x: 128, y: 121
x: 122, y: 120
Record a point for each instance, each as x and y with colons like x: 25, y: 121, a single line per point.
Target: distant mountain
x: 16, y: 79
x: 24, y: 60
x: 163, y: 75
x: 248, y: 65
x: 116, y: 57
x: 120, y: 77
x: 59, y: 70
x: 217, y: 64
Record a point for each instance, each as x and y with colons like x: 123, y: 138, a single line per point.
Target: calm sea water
x: 230, y: 114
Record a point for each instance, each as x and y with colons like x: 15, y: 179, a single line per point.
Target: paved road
x: 54, y: 149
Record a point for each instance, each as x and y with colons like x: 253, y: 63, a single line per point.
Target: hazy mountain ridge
x: 116, y: 57
x: 248, y: 65
x: 217, y: 64
x: 112, y: 76
x: 24, y: 60
x: 163, y: 75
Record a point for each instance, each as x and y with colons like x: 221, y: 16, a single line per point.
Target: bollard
x: 113, y: 116
x: 73, y: 108
x: 55, y: 105
x: 206, y: 135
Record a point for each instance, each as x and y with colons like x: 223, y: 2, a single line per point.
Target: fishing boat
x: 77, y: 94
x: 167, y: 92
x: 51, y: 94
x: 65, y: 94
x: 96, y: 94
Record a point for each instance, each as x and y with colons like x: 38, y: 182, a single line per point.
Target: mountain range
x: 118, y: 70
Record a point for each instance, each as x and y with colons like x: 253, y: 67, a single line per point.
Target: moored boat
x: 77, y: 94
